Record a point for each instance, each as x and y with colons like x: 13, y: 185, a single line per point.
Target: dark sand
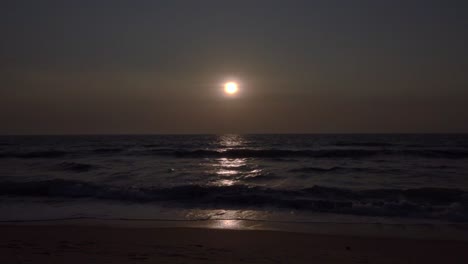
x: 93, y: 244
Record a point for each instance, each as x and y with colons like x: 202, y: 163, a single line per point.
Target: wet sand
x: 104, y: 244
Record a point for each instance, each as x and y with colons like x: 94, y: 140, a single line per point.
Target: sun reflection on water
x: 231, y: 141
x: 228, y: 219
x: 231, y: 171
x: 225, y: 182
x: 230, y: 168
x: 230, y: 224
x: 231, y: 163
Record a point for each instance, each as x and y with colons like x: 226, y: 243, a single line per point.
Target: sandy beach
x: 104, y: 244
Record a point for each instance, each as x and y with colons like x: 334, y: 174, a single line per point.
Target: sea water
x: 304, y: 178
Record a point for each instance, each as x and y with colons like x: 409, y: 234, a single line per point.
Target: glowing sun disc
x: 231, y: 88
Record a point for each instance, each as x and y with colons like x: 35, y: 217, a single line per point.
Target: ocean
x: 377, y: 178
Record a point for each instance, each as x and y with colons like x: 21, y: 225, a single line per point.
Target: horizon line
x: 229, y: 133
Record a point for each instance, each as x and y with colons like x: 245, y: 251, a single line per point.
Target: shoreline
x: 68, y: 243
x: 447, y: 231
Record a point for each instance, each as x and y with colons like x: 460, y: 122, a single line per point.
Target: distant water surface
x: 273, y: 177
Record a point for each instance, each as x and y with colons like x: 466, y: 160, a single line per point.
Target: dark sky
x: 78, y: 67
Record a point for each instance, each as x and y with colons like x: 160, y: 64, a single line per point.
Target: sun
x: 231, y: 88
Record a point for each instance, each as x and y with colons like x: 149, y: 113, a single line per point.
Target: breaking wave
x: 435, y: 203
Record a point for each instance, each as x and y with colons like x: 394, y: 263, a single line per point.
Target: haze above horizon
x: 159, y: 67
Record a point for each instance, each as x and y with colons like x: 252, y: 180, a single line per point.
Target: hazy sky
x: 116, y: 66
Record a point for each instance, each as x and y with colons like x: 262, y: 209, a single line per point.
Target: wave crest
x: 437, y: 203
